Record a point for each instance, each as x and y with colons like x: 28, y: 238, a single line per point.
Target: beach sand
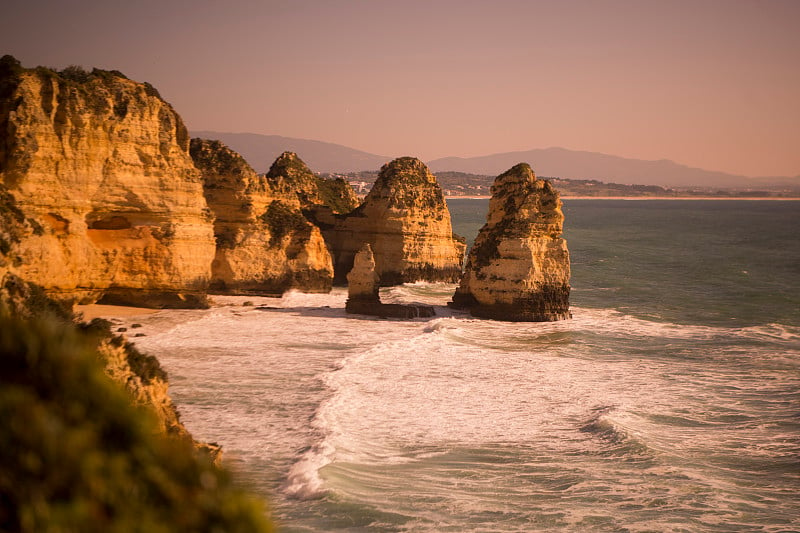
x: 93, y: 311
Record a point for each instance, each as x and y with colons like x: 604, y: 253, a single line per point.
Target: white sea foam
x: 456, y: 422
x: 303, y: 480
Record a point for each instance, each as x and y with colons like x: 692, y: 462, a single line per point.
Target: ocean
x: 669, y: 402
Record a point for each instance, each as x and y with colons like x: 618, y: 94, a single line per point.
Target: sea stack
x: 518, y: 269
x: 405, y: 220
x: 363, y: 297
x: 362, y: 281
x: 265, y: 245
x: 99, y: 166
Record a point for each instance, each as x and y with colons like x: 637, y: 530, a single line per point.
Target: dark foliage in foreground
x: 75, y: 455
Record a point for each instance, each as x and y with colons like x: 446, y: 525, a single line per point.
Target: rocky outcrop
x: 518, y: 268
x: 405, y: 220
x: 100, y: 166
x: 146, y: 383
x: 318, y: 197
x: 363, y: 298
x: 363, y: 283
x: 265, y: 245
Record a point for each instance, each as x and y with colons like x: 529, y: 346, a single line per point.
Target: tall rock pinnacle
x: 518, y: 269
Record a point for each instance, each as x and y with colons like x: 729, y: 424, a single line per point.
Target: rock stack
x: 405, y: 220
x: 363, y: 286
x: 363, y: 283
x: 518, y: 268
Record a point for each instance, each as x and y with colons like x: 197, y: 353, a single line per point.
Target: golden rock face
x: 518, y: 268
x: 101, y: 167
x: 405, y: 220
x: 265, y: 245
x: 362, y: 280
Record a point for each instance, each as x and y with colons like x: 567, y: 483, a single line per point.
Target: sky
x: 713, y: 84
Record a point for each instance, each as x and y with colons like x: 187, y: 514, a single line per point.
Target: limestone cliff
x: 265, y: 245
x: 140, y: 375
x: 518, y: 268
x: 100, y: 165
x: 405, y: 220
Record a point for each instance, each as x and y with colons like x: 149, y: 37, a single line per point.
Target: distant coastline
x: 462, y: 185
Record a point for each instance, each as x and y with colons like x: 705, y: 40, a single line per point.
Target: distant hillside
x: 261, y: 150
x: 572, y: 164
x: 457, y: 184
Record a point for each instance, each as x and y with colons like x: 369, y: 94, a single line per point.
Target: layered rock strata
x: 405, y: 220
x: 265, y: 245
x: 363, y: 292
x: 518, y: 268
x: 100, y: 165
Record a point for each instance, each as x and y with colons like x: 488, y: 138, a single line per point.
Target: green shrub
x: 337, y: 194
x: 77, y: 456
x: 75, y: 73
x: 282, y: 220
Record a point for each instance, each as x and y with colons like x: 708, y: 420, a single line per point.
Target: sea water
x: 670, y: 402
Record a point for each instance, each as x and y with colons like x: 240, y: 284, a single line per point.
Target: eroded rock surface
x: 100, y: 166
x: 363, y: 292
x: 140, y: 375
x: 405, y: 220
x: 265, y: 245
x: 518, y: 268
x: 363, y: 282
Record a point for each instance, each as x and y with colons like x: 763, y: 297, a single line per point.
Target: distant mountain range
x: 261, y: 150
x: 574, y: 164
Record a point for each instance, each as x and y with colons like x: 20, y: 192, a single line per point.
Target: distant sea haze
x: 261, y: 150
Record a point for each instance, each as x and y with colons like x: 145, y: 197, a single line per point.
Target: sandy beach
x: 93, y: 311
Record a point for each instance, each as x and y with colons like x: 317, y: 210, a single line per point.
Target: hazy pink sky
x: 712, y: 84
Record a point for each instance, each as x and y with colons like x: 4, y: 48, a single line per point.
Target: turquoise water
x: 670, y: 402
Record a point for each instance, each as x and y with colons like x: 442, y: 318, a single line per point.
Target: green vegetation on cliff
x: 77, y: 456
x: 337, y: 194
x: 283, y: 220
x: 290, y: 175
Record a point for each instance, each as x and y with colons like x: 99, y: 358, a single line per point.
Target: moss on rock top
x: 406, y: 182
x: 290, y: 175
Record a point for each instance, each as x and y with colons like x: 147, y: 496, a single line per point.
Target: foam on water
x: 603, y: 422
